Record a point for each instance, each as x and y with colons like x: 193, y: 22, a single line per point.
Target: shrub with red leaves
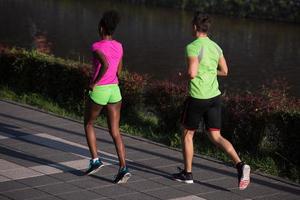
x: 166, y: 99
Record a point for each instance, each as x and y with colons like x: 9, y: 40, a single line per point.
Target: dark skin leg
x: 113, y: 120
x: 92, y: 111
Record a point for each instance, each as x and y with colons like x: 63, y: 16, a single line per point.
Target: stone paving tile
x: 113, y: 190
x: 5, y: 165
x: 224, y: 195
x: 169, y: 169
x: 20, y: 173
x: 33, y: 124
x: 104, y: 140
x: 4, y: 179
x: 167, y: 153
x: 5, y: 120
x: 147, y: 172
x: 156, y: 163
x: 144, y: 185
x: 76, y: 164
x: 2, y: 197
x: 279, y: 196
x: 25, y: 194
x: 51, y: 129
x: 135, y: 196
x: 4, y: 136
x: 90, y: 183
x: 11, y: 186
x: 8, y: 131
x: 39, y: 181
x: 149, y: 153
x: 48, y: 169
x: 21, y: 158
x: 17, y: 157
x: 129, y: 140
x: 137, y: 155
x: 166, y: 181
x: 198, y: 187
x: 109, y: 148
x: 80, y: 195
x: 62, y: 157
x: 206, y: 175
x: 191, y: 197
x: 257, y: 190
x: 221, y: 181
x: 68, y: 176
x: 39, y: 151
x: 206, y: 161
x: 59, y: 188
x: 206, y: 172
x: 78, y: 137
x: 261, y: 181
x: 13, y: 143
x: 20, y: 145
x: 145, y: 147
x: 47, y: 197
x: 20, y: 114
x: 167, y: 193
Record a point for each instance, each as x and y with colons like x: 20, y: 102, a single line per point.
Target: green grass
x: 36, y: 100
x: 49, y: 105
x: 147, y: 130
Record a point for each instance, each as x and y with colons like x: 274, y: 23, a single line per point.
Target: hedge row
x: 261, y: 123
x: 282, y: 10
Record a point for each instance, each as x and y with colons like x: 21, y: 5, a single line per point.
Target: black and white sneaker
x: 122, y: 176
x: 243, y: 175
x: 94, y: 166
x: 183, y: 176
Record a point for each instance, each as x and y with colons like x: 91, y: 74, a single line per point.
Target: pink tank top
x: 113, y: 52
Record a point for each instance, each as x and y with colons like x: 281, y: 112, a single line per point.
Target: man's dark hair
x: 109, y: 22
x: 202, y: 22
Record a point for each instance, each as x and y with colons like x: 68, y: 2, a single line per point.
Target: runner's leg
x: 224, y: 144
x: 92, y: 111
x: 113, y: 120
x: 188, y: 149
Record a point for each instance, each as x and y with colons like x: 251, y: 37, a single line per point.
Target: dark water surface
x: 154, y: 38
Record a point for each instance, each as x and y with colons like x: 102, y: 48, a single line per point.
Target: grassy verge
x: 265, y: 165
x: 48, y: 105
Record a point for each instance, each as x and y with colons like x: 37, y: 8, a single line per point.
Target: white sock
x: 95, y: 159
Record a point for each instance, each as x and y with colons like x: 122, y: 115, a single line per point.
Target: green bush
x: 57, y: 79
x: 165, y: 99
x: 266, y: 123
x: 132, y: 86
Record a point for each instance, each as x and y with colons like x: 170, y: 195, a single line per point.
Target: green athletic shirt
x: 205, y: 85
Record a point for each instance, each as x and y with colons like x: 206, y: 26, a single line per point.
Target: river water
x: 154, y: 38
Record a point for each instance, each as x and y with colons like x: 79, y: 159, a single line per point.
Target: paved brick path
x: 43, y: 156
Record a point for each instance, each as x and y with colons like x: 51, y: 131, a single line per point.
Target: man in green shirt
x: 205, y: 62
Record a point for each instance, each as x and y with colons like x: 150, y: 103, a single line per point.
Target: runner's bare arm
x: 193, y: 63
x: 104, y: 66
x: 222, y: 68
x: 120, y: 66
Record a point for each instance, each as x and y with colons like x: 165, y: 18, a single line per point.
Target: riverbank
x: 262, y: 125
x: 281, y: 10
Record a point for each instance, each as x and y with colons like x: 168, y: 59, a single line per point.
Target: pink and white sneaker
x: 243, y: 175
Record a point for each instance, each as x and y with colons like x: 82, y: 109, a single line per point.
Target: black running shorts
x: 197, y: 109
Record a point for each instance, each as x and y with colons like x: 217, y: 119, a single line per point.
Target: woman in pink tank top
x: 104, y: 91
